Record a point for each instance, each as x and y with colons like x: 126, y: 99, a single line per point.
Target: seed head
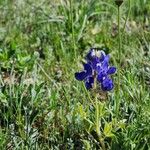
x: 118, y: 2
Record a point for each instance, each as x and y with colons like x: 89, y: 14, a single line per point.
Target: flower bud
x: 118, y: 2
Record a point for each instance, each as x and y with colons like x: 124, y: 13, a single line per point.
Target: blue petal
x: 90, y: 55
x: 107, y: 85
x: 111, y: 70
x: 88, y: 69
x: 100, y: 76
x: 80, y: 75
x: 95, y: 61
x: 107, y: 57
x: 106, y: 62
x: 89, y: 83
x: 102, y: 55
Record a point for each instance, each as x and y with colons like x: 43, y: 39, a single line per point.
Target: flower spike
x: 97, y: 67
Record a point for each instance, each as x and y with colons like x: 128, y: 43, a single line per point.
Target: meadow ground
x: 43, y: 44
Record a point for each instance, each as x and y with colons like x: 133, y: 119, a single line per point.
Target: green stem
x: 72, y: 28
x: 119, y: 65
x: 129, y: 10
x: 89, y: 97
x: 119, y: 35
x: 97, y: 116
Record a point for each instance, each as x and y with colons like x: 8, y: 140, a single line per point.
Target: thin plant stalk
x: 119, y: 65
x: 129, y: 10
x: 88, y: 95
x: 119, y: 39
x: 72, y: 28
x: 97, y: 116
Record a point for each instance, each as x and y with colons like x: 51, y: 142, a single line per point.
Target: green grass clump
x: 42, y: 44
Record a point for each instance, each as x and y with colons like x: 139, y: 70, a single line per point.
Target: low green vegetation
x: 42, y: 106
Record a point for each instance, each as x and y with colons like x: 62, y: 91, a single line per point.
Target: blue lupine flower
x: 104, y: 69
x: 107, y: 84
x: 97, y: 67
x: 86, y: 75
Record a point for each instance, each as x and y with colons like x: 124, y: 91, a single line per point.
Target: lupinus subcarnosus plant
x: 97, y: 72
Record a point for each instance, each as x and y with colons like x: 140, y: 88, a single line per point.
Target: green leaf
x: 3, y: 99
x: 108, y: 130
